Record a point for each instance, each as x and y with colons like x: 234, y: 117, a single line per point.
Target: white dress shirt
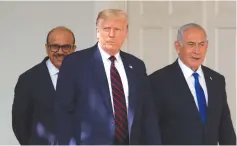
x: 188, y: 74
x: 53, y: 72
x: 119, y: 66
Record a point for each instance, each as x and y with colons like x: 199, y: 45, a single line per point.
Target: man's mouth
x: 196, y: 58
x: 59, y: 56
x: 110, y: 42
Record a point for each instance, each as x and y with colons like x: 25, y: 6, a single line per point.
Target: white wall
x: 23, y: 30
x: 152, y: 39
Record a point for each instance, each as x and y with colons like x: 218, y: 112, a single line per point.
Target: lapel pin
x: 130, y: 66
x: 211, y: 78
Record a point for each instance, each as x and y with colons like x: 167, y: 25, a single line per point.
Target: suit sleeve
x: 150, y: 128
x: 157, y: 94
x: 227, y: 134
x: 22, y: 110
x: 64, y: 103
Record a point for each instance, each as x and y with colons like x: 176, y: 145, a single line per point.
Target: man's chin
x: 110, y: 47
x: 57, y: 63
x: 195, y: 66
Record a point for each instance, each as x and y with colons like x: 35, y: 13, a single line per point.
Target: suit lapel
x: 132, y: 88
x: 210, y: 91
x: 100, y: 75
x: 184, y: 90
x: 47, y: 83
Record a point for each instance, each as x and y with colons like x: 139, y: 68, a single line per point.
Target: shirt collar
x: 105, y: 56
x: 52, y: 69
x: 188, y: 72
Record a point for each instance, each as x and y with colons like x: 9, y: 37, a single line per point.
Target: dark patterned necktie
x: 121, y: 136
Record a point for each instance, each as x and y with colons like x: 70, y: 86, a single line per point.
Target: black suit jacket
x: 179, y: 119
x: 33, y: 105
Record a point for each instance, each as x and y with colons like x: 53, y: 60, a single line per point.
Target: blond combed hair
x: 111, y: 14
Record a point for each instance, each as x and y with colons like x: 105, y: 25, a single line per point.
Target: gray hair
x: 185, y: 27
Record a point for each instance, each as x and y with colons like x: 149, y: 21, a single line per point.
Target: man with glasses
x: 32, y: 110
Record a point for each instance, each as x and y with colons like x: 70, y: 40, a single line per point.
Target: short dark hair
x: 60, y: 27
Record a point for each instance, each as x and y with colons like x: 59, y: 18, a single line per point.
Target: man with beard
x: 32, y: 109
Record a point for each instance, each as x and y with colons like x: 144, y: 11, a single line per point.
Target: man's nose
x: 112, y: 33
x: 60, y: 50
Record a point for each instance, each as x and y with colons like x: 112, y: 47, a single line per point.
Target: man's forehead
x: 194, y: 36
x: 59, y: 33
x: 194, y: 32
x: 198, y: 42
x: 112, y: 21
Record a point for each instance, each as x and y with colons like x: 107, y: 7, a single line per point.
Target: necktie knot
x: 112, y: 59
x: 195, y: 75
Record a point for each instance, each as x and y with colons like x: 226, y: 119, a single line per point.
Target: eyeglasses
x: 65, y: 48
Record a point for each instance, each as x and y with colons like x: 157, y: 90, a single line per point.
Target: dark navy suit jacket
x: 83, y: 108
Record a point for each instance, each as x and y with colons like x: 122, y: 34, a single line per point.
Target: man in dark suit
x: 103, y: 94
x: 191, y: 98
x: 32, y: 109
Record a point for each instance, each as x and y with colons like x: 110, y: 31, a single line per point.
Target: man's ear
x: 207, y: 44
x: 74, y: 47
x: 47, y: 48
x: 97, y: 33
x: 177, y: 46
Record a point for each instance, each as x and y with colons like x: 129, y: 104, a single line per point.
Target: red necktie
x: 120, y: 110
